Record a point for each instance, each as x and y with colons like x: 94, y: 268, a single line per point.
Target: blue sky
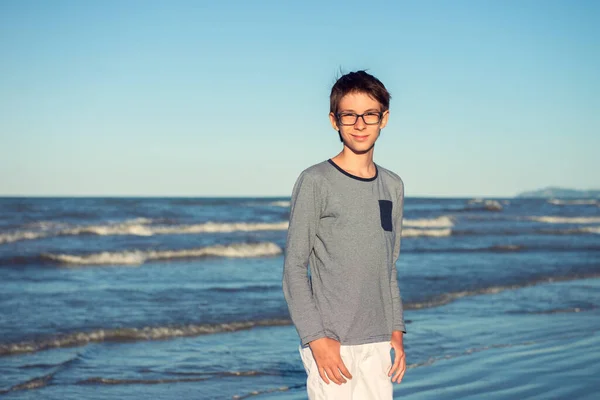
x: 230, y: 98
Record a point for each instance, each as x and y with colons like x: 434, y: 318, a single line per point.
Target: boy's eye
x: 347, y: 118
x: 372, y: 117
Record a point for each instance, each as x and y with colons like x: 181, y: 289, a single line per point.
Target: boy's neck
x: 357, y: 164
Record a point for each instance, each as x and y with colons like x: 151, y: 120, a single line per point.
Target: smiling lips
x: 360, y: 138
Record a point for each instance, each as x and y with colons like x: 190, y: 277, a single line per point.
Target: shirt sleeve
x: 304, y: 218
x: 398, y: 323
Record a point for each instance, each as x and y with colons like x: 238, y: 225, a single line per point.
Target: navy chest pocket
x: 385, y: 211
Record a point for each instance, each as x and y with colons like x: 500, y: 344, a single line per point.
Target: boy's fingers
x: 331, y: 374
x: 395, y: 377
x: 345, y: 371
x: 395, y: 366
x: 403, y: 367
x: 338, y: 378
x: 402, y: 375
x: 323, y: 375
x: 398, y: 377
x: 401, y: 370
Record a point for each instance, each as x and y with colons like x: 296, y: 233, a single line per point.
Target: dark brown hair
x: 358, y: 82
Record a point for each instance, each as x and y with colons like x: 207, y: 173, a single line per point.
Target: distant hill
x: 554, y: 192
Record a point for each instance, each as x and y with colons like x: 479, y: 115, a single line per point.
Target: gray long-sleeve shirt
x: 348, y: 230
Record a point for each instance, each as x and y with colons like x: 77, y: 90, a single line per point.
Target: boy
x: 346, y: 222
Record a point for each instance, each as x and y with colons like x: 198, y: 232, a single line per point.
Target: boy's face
x: 362, y: 134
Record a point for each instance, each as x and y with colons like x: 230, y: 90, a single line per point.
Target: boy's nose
x: 359, y: 125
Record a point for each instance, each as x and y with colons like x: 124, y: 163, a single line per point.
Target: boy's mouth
x: 360, y: 138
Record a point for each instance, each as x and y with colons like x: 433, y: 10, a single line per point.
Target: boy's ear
x: 384, y: 119
x: 333, y: 121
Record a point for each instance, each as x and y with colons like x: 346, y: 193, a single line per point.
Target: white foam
x: 280, y: 203
x: 31, y: 231
x: 137, y: 257
x: 129, y: 334
x: 20, y: 235
x: 104, y: 258
x: 491, y: 205
x: 439, y: 222
x: 411, y: 232
x: 141, y: 227
x: 559, y: 202
x: 52, y: 228
x: 591, y: 229
x: 208, y: 227
x: 566, y: 220
x: 108, y: 230
x: 476, y: 200
x: 219, y: 227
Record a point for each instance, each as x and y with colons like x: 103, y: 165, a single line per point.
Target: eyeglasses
x: 369, y: 118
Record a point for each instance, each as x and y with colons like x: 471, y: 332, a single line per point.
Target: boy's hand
x: 326, y: 352
x: 399, y: 367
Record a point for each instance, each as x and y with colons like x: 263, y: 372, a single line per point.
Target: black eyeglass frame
x: 338, y: 116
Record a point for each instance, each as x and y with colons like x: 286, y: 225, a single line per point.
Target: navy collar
x: 358, y: 178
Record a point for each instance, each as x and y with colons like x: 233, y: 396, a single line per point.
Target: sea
x: 181, y: 298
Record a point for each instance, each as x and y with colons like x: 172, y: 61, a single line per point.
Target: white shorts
x: 369, y: 365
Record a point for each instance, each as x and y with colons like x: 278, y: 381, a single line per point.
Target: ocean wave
x: 141, y: 227
x: 166, y: 332
x: 39, y: 381
x: 280, y: 203
x: 207, y: 227
x: 411, y: 232
x: 492, y: 249
x: 468, y: 352
x: 485, y: 204
x: 559, y: 202
x: 516, y: 232
x: 132, y: 334
x: 201, y: 376
x: 566, y: 220
x: 557, y: 310
x: 263, y: 203
x: 137, y: 227
x: 446, y: 298
x: 439, y: 222
x: 20, y: 235
x: 45, y: 225
x: 591, y: 229
x: 263, y: 249
x: 266, y: 391
x: 252, y: 250
x: 245, y: 289
x: 34, y: 383
x: 137, y: 257
x: 573, y: 231
x: 97, y: 380
x: 52, y: 228
x: 506, y: 248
